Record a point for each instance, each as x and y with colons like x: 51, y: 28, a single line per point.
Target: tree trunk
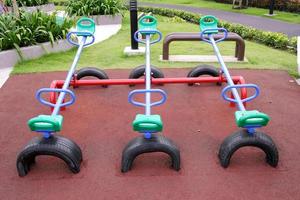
x: 15, y: 8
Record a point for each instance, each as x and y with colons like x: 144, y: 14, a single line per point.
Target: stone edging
x: 107, y: 19
x: 11, y: 57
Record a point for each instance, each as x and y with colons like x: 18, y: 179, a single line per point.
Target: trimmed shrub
x: 284, y: 5
x: 275, y: 40
x: 30, y: 29
x: 94, y: 7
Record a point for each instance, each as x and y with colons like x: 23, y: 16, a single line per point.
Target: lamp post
x: 272, y: 4
x: 133, y: 23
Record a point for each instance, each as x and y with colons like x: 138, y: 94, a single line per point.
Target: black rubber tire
x: 242, y: 139
x: 157, y: 143
x: 140, y: 71
x: 91, y: 71
x: 57, y: 146
x: 204, y: 70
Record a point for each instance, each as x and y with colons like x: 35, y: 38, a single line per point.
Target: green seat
x: 85, y: 25
x: 251, y: 118
x: 46, y: 123
x: 147, y: 123
x: 209, y: 22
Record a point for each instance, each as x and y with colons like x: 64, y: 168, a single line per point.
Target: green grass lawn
x: 109, y: 54
x: 284, y: 16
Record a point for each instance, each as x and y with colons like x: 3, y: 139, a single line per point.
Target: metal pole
x: 148, y: 76
x: 272, y: 4
x: 69, y: 77
x: 227, y: 74
x: 133, y: 23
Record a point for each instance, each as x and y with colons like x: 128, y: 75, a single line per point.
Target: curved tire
x: 140, y: 71
x: 91, y: 71
x: 201, y: 70
x: 242, y: 139
x: 57, y: 146
x: 157, y: 143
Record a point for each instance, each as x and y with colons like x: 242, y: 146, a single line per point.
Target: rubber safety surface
x: 196, y: 118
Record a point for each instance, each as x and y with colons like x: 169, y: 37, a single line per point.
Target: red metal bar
x: 53, y: 95
x: 76, y: 83
x: 142, y: 81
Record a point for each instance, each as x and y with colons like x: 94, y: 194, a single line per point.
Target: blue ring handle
x: 153, y: 32
x: 85, y: 34
x: 134, y: 92
x: 213, y: 29
x: 225, y: 97
x: 43, y: 90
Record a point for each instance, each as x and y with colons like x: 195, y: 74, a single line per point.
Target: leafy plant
x: 28, y: 2
x: 94, y: 7
x: 275, y: 40
x: 30, y: 29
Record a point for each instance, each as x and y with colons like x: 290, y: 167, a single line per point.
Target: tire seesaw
x: 50, y: 143
x: 249, y: 121
x: 148, y: 124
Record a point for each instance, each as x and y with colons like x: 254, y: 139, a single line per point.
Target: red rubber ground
x: 195, y: 118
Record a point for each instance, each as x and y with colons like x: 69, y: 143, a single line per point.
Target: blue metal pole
x: 69, y: 77
x: 148, y: 76
x: 227, y: 74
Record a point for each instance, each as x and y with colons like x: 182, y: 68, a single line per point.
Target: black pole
x: 272, y: 4
x: 133, y: 23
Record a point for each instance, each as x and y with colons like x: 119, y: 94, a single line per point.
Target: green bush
x: 275, y: 40
x: 28, y: 2
x: 30, y: 29
x: 94, y: 7
x: 283, y: 5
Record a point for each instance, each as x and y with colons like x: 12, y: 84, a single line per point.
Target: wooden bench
x: 181, y: 36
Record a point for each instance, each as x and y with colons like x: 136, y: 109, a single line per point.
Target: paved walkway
x: 250, y: 20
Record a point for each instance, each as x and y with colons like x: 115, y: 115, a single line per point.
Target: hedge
x: 284, y: 5
x: 275, y: 40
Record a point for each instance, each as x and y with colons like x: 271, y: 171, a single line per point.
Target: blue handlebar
x: 43, y: 90
x: 153, y: 32
x: 84, y: 34
x: 134, y: 92
x: 225, y: 97
x: 212, y: 29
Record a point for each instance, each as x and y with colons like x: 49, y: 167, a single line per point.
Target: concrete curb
x: 107, y: 19
x: 12, y: 57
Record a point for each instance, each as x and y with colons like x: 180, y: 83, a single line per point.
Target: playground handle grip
x: 134, y: 92
x: 225, y: 97
x: 212, y: 29
x: 84, y: 34
x: 43, y: 90
x: 153, y: 32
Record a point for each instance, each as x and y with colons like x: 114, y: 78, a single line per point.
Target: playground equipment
x: 147, y: 124
x: 248, y: 120
x: 182, y: 36
x: 49, y: 143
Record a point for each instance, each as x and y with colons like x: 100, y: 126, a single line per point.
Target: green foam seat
x: 147, y: 123
x: 251, y: 118
x: 209, y: 22
x: 46, y: 123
